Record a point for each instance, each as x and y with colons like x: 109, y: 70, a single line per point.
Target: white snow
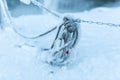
x: 26, y: 1
x: 98, y: 49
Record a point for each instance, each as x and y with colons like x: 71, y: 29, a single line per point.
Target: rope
x: 10, y: 21
x: 84, y: 21
x: 42, y: 6
x: 53, y: 13
x: 40, y: 35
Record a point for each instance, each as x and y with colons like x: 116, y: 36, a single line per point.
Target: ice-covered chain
x: 100, y: 23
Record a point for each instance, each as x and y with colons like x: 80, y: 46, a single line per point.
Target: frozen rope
x: 10, y: 21
x: 84, y: 21
x: 42, y: 6
x: 34, y: 37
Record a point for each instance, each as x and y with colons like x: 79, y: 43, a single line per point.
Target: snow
x: 96, y: 56
x: 26, y: 1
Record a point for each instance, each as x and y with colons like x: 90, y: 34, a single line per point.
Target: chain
x: 35, y: 2
x: 101, y: 23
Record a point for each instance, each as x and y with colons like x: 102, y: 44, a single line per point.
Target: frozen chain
x: 101, y: 23
x: 35, y: 2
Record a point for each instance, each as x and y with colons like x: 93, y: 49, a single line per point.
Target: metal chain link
x: 101, y: 23
x: 35, y: 2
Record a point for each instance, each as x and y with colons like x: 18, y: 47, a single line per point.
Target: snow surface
x: 26, y: 1
x: 98, y: 56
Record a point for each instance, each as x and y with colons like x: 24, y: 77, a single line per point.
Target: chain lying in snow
x: 55, y: 14
x: 100, y: 23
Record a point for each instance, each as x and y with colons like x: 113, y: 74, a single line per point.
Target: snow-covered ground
x: 98, y: 56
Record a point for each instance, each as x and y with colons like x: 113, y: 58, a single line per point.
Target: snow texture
x: 26, y: 1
